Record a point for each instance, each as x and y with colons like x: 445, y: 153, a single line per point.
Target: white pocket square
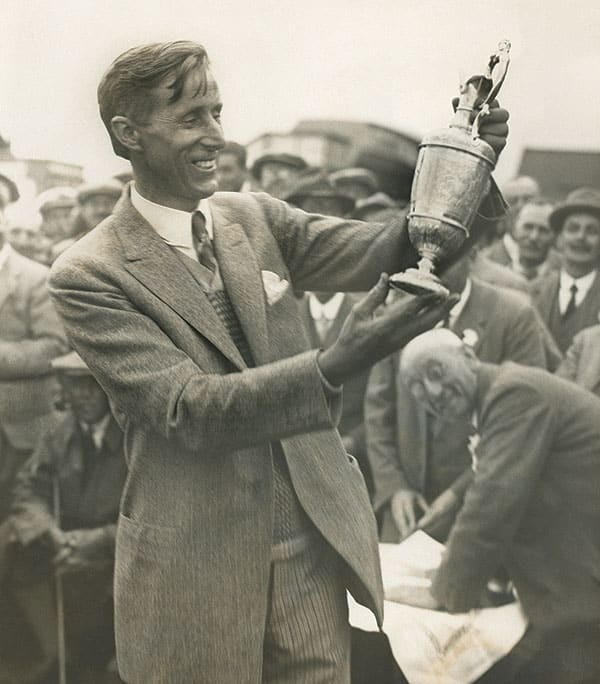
x: 274, y: 286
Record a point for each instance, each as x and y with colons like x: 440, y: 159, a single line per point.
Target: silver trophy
x: 452, y: 176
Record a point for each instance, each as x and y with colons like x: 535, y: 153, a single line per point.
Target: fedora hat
x: 585, y: 200
x: 355, y: 174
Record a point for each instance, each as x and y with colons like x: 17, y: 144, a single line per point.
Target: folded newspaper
x: 431, y: 646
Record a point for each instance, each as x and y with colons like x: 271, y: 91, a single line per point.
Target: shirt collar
x: 457, y: 309
x: 4, y: 254
x: 583, y: 284
x: 173, y: 225
x: 512, y: 248
x: 98, y: 430
x: 329, y: 310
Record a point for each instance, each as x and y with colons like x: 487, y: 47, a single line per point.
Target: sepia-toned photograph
x: 300, y: 342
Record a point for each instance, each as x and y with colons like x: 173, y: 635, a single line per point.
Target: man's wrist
x: 329, y: 368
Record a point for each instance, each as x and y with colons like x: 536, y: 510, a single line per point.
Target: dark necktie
x: 202, y: 242
x: 572, y: 305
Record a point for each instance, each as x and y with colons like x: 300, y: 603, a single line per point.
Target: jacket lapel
x: 243, y: 282
x: 544, y: 291
x: 158, y: 268
x: 473, y: 316
x: 9, y: 273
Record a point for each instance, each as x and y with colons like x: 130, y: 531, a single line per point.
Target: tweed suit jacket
x: 194, y: 535
x: 582, y: 360
x: 398, y: 444
x: 533, y: 505
x: 31, y: 335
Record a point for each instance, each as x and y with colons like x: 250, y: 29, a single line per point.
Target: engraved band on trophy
x: 452, y: 176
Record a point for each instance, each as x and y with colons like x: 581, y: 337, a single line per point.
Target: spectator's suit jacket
x: 533, y: 504
x: 30, y: 337
x: 398, y: 443
x: 497, y: 252
x: 352, y: 421
x: 582, y: 360
x: 544, y: 292
x: 194, y: 536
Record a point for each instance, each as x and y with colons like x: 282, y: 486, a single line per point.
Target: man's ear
x: 126, y: 132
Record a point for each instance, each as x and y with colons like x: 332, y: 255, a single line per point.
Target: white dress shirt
x: 173, y: 225
x: 324, y: 314
x: 97, y: 430
x: 583, y: 285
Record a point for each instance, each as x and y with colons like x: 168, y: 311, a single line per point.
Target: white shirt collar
x: 457, y: 309
x: 512, y: 248
x: 98, y: 430
x: 173, y: 225
x: 4, y: 254
x: 583, y: 285
x: 329, y: 310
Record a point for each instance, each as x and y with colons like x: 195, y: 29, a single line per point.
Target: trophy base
x: 417, y: 282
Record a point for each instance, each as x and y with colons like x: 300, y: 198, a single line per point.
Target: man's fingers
x: 374, y: 298
x: 423, y: 505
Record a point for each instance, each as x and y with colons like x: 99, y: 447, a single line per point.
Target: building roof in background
x: 561, y: 171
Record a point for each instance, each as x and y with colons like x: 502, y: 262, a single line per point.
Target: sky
x: 392, y: 62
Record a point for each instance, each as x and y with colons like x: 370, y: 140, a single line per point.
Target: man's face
x: 580, y: 239
x: 57, y: 223
x: 230, y: 174
x: 177, y: 164
x: 85, y: 397
x: 532, y: 232
x: 277, y: 178
x: 96, y: 208
x: 24, y: 240
x: 445, y: 384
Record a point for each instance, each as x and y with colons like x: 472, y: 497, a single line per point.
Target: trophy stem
x: 420, y: 280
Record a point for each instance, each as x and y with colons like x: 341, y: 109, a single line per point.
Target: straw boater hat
x: 581, y: 200
x: 284, y: 158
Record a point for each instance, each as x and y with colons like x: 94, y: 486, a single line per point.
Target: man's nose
x: 434, y: 389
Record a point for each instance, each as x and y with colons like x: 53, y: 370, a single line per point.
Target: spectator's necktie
x: 572, y: 305
x: 202, y: 242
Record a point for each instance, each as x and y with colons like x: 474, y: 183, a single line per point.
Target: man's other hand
x: 365, y: 338
x: 406, y: 505
x: 440, y: 514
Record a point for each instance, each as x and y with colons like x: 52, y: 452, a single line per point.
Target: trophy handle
x: 495, y: 74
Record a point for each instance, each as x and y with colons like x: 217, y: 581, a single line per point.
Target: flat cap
x: 376, y: 202
x: 284, y: 158
x: 318, y: 186
x: 111, y: 187
x: 12, y: 187
x: 356, y: 174
x: 56, y: 198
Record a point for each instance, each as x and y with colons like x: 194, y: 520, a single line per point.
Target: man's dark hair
x: 124, y: 88
x: 237, y: 150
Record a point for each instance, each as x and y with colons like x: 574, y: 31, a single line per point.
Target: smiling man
x: 532, y: 507
x: 569, y: 300
x: 243, y: 520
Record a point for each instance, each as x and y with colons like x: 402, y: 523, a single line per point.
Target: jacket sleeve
x: 382, y: 432
x: 31, y: 357
x: 569, y: 366
x: 524, y: 342
x: 517, y: 429
x: 153, y: 382
x: 32, y: 505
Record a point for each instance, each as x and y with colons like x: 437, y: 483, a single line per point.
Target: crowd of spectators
x: 529, y: 293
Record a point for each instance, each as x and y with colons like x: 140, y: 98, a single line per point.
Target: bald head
x: 441, y: 373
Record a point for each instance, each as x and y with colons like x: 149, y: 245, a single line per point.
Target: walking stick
x: 60, y: 604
